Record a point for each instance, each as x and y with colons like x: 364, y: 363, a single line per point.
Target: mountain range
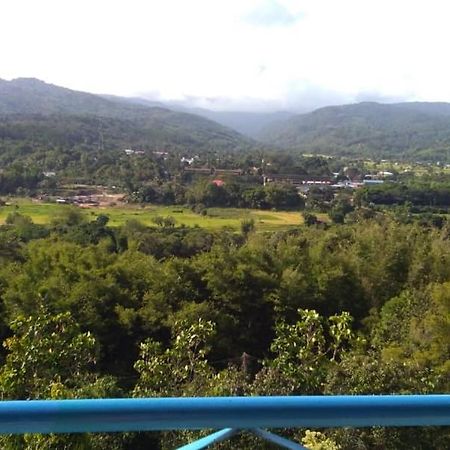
x: 414, y: 130
x: 248, y: 123
x: 26, y: 101
x: 402, y: 130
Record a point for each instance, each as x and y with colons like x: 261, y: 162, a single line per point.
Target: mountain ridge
x: 248, y: 123
x: 367, y: 129
x: 26, y: 97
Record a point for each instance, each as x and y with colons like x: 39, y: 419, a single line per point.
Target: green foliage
x: 166, y: 222
x: 50, y: 358
x: 20, y: 178
x: 339, y: 210
x: 368, y: 130
x: 273, y: 195
x: 68, y: 217
x: 369, y: 374
x: 247, y: 226
x: 357, y: 306
x: 181, y: 370
x: 51, y: 114
x: 429, y: 194
x: 24, y: 228
x: 314, y: 440
x: 303, y: 350
x: 309, y: 219
x: 171, y: 311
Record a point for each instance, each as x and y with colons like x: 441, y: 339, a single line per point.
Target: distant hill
x: 32, y: 96
x: 245, y: 122
x: 402, y: 130
x: 27, y: 102
x: 158, y: 133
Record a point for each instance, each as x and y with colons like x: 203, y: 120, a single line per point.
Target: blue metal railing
x: 228, y: 414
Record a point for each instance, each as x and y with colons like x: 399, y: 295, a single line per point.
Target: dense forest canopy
x: 29, y: 106
x: 168, y: 311
x: 414, y: 131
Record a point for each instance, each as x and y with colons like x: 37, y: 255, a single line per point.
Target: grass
x: 216, y: 218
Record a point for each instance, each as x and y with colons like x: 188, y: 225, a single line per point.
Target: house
x: 129, y: 152
x: 385, y: 173
x: 187, y: 160
x: 296, y: 180
x: 372, y: 181
x: 163, y: 155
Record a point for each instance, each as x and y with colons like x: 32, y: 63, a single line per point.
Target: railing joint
x: 213, y: 438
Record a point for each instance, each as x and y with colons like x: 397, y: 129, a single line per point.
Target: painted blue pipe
x: 214, y: 438
x: 62, y: 416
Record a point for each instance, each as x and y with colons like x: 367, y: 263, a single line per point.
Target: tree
x: 247, y: 226
x: 68, y: 217
x: 180, y: 370
x: 49, y: 358
x: 305, y: 350
x: 283, y: 196
x: 339, y: 210
x: 309, y: 219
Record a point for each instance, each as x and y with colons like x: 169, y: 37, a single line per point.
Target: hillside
x: 403, y: 130
x: 32, y: 96
x: 50, y: 110
x: 248, y: 123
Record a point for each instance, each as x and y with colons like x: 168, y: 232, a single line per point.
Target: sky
x: 260, y: 55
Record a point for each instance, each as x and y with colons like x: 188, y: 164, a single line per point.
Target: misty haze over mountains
x: 249, y: 123
x: 363, y: 129
x: 34, y: 95
x: 34, y: 107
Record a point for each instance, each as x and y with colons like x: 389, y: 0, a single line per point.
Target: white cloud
x: 270, y: 13
x: 270, y: 53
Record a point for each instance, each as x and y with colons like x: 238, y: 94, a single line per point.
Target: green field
x: 216, y: 218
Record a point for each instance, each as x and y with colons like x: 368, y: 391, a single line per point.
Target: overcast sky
x: 233, y: 54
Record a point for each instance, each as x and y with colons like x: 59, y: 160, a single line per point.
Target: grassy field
x: 215, y: 219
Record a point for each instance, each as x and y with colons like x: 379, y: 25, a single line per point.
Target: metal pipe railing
x: 69, y: 416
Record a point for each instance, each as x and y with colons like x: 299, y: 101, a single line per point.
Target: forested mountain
x: 41, y: 109
x: 248, y: 123
x: 413, y: 130
x: 32, y: 96
x: 29, y: 107
x: 162, y: 130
